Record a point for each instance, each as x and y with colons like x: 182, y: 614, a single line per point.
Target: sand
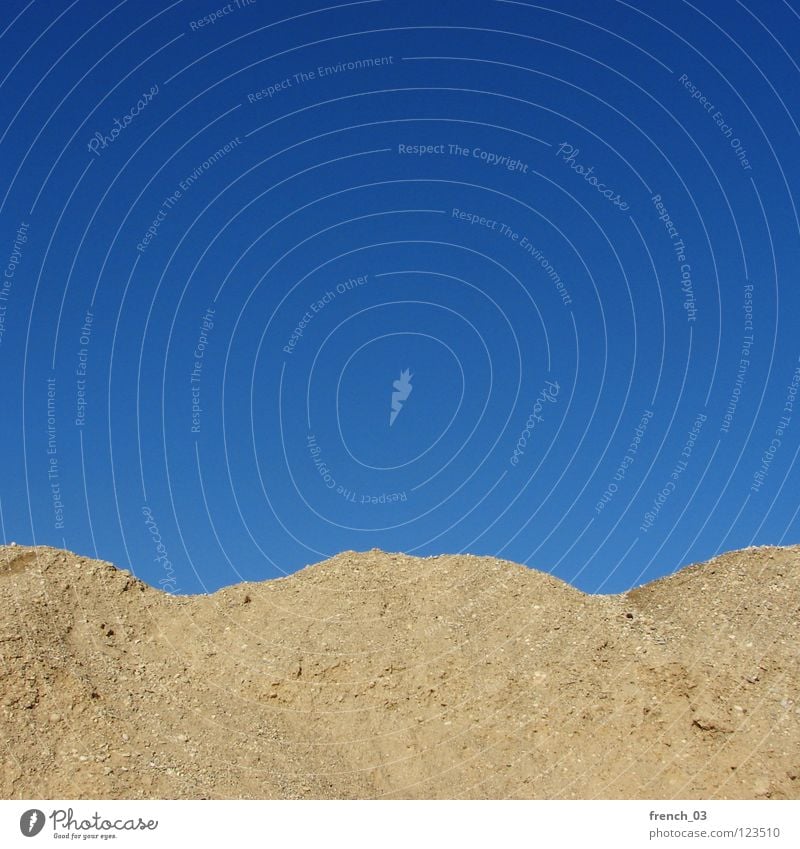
x: 375, y: 675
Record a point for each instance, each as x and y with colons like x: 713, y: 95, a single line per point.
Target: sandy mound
x: 382, y: 675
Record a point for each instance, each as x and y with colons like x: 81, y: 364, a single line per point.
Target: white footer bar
x: 410, y: 825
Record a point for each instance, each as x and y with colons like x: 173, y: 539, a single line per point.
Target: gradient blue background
x: 317, y: 192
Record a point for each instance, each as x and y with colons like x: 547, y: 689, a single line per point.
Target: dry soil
x: 382, y: 675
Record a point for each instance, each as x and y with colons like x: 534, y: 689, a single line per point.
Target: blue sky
x: 227, y: 230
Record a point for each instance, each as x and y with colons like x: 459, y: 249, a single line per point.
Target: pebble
x: 761, y: 786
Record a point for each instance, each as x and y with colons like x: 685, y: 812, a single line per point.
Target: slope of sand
x: 382, y: 675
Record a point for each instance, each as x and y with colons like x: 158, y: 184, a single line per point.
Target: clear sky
x: 281, y: 280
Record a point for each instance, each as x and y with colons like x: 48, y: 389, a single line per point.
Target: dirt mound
x: 382, y: 675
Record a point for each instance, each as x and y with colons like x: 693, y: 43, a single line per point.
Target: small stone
x: 761, y: 786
